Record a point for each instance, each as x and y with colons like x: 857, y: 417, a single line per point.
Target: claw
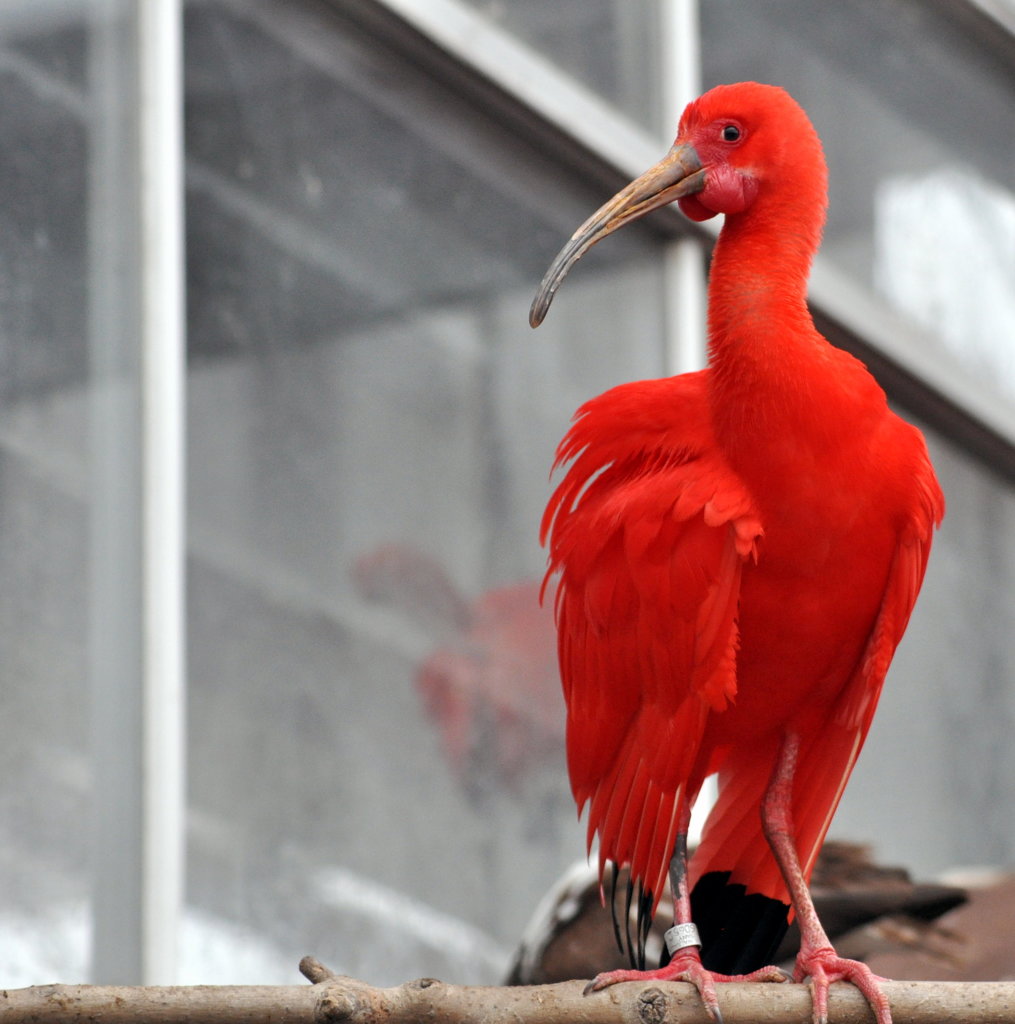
x: 686, y: 966
x: 823, y: 967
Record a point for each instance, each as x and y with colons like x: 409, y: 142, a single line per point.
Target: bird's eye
x: 731, y: 133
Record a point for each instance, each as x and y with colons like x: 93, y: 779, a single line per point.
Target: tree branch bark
x: 334, y: 999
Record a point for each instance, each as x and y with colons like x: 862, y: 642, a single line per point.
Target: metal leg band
x: 680, y: 936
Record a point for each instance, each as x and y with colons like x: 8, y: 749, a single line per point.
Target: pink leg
x: 685, y: 964
x: 817, y: 958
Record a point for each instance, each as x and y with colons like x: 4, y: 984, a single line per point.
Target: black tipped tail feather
x: 740, y: 931
x: 633, y: 947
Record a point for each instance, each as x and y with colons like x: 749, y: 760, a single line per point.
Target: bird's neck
x: 771, y: 371
x: 759, y: 323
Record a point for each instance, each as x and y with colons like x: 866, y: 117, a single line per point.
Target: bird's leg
x: 682, y: 941
x: 678, y: 871
x: 817, y: 958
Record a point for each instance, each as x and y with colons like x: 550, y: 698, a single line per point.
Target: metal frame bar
x: 136, y: 496
x: 163, y: 354
x: 684, y: 289
x: 559, y: 115
x: 991, y: 21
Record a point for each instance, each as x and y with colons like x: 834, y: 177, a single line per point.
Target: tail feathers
x: 740, y: 931
x: 739, y: 899
x: 734, y: 840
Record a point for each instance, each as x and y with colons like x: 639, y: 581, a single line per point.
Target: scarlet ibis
x: 738, y: 550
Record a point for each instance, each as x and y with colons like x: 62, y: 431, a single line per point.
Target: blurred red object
x: 492, y: 686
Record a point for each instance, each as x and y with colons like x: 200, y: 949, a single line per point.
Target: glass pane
x: 610, y: 46
x: 917, y: 112
x: 68, y: 508
x: 376, y: 764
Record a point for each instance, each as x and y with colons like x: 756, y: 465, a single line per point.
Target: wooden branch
x: 334, y: 999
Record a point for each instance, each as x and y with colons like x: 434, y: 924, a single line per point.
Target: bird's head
x: 750, y: 139
x: 739, y: 147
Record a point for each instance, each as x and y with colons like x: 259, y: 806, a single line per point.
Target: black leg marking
x: 627, y: 921
x: 613, y: 908
x: 644, y: 924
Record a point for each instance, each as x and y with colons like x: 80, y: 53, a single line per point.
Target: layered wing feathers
x: 648, y: 531
x: 828, y: 761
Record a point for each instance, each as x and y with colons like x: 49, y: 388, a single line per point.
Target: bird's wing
x: 649, y: 531
x: 827, y: 761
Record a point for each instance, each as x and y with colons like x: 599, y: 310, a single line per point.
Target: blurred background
x: 274, y: 679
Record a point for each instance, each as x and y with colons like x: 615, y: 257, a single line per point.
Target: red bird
x: 739, y: 550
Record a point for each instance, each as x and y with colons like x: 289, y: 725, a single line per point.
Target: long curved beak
x: 679, y: 173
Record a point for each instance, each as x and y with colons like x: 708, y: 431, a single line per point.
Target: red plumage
x: 646, y: 613
x: 738, y: 549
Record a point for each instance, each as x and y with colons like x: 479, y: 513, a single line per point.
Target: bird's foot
x: 824, y: 966
x: 686, y: 965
